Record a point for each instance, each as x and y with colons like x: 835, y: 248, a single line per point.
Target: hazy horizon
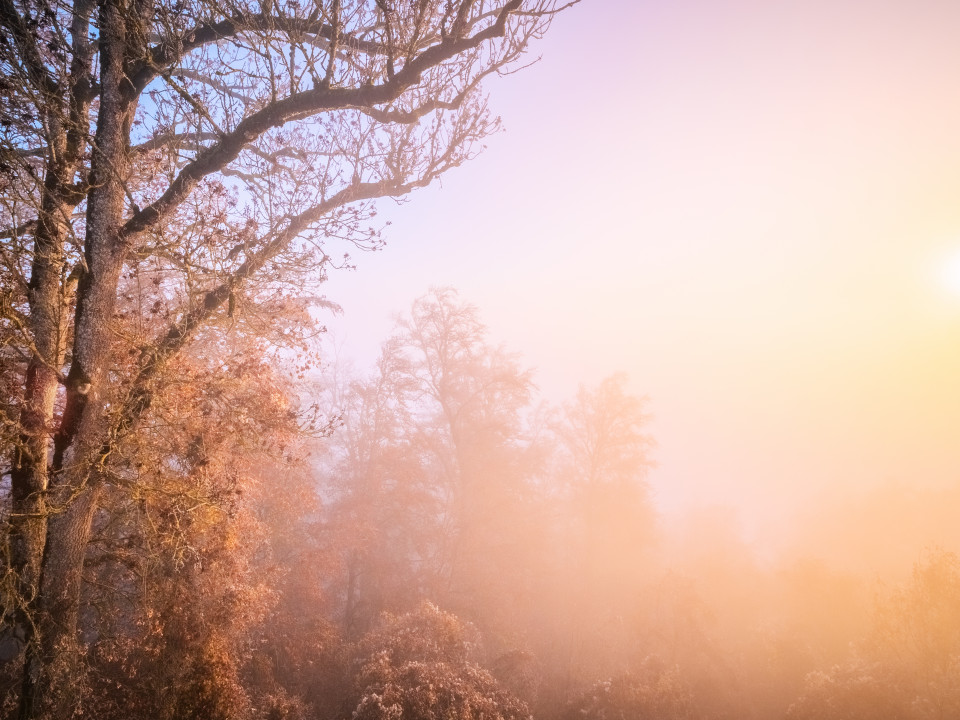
x: 748, y: 209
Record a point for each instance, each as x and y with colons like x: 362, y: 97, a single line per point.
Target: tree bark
x: 73, y: 487
x: 29, y: 473
x: 49, y: 301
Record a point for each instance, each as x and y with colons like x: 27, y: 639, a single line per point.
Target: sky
x: 751, y: 208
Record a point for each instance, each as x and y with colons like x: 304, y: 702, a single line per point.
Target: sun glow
x: 950, y: 273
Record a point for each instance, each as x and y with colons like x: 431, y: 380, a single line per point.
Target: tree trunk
x: 51, y: 664
x: 29, y: 472
x: 49, y: 300
x: 52, y: 667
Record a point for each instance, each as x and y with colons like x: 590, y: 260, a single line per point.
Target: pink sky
x: 747, y: 207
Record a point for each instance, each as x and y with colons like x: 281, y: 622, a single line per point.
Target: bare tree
x: 200, y: 156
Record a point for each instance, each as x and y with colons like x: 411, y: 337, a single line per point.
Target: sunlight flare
x: 950, y: 273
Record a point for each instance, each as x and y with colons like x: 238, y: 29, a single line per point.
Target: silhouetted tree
x: 608, y: 526
x: 429, y: 476
x: 471, y: 399
x: 382, y: 516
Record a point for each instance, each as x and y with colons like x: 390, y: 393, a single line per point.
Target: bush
x: 651, y: 693
x: 417, y: 667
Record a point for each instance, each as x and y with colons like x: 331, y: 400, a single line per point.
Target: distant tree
x: 606, y: 457
x: 916, y: 636
x: 855, y: 691
x: 168, y: 166
x: 604, y: 433
x: 919, y: 622
x: 429, y: 474
x: 608, y: 525
x: 382, y: 515
x: 909, y: 664
x: 472, y: 397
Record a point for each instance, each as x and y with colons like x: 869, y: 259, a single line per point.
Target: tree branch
x: 10, y: 233
x: 169, y: 343
x: 27, y: 47
x: 167, y: 54
x: 216, y: 157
